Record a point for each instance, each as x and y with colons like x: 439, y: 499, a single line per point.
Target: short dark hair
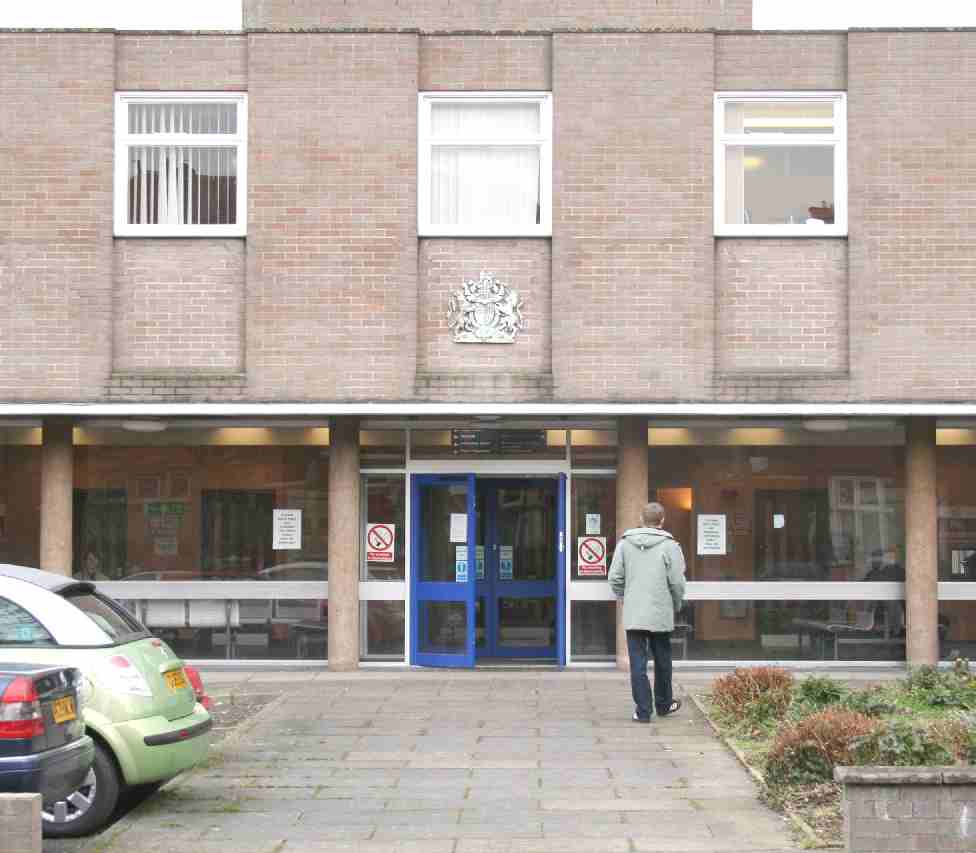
x: 653, y: 514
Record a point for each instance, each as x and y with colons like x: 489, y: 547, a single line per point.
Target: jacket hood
x: 645, y: 537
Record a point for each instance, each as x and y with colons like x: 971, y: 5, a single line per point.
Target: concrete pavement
x: 456, y: 762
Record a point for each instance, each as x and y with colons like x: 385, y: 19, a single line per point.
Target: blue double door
x: 488, y: 569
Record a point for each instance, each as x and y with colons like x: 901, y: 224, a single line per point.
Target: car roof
x: 46, y: 580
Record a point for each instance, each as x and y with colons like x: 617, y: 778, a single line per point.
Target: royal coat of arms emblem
x: 485, y: 312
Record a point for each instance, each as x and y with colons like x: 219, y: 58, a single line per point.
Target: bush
x: 871, y: 702
x: 820, y: 692
x: 957, y: 735
x: 808, y: 751
x: 902, y: 743
x: 948, y: 689
x: 754, y: 694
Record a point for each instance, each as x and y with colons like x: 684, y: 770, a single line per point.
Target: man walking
x: 648, y: 572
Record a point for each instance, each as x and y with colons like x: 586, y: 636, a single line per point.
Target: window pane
x: 594, y: 627
x: 385, y: 503
x: 384, y: 622
x: 594, y: 501
x: 113, y: 620
x: 779, y: 117
x: 182, y: 185
x: 18, y: 627
x: 779, y: 185
x: 443, y: 627
x: 182, y: 118
x: 485, y: 185
x: 480, y: 121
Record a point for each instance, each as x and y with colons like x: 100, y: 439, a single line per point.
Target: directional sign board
x: 592, y: 556
x: 380, y: 543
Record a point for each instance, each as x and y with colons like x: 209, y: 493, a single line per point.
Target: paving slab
x: 474, y: 762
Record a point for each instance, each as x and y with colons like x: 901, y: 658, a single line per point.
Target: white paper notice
x: 459, y: 527
x: 711, y: 535
x: 779, y: 520
x: 592, y: 524
x: 287, y: 530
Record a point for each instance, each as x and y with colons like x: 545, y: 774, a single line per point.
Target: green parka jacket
x: 648, y: 572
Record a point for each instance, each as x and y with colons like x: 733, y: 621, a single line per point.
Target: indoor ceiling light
x: 826, y: 425
x: 143, y: 426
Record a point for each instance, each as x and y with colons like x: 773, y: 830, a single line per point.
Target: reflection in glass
x: 593, y: 630
x: 384, y: 636
x: 384, y: 499
x: 526, y: 522
x: 527, y: 622
x: 443, y: 627
x: 438, y: 554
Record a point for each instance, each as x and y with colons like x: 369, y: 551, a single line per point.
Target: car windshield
x: 110, y: 617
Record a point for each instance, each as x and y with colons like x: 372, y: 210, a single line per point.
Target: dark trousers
x: 641, y: 645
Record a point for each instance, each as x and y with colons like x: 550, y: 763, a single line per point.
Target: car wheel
x: 87, y: 809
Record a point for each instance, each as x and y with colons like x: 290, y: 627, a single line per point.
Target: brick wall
x: 179, y: 305
x: 632, y: 233
x: 518, y: 15
x: 912, y: 119
x: 780, y: 61
x: 523, y: 265
x: 55, y: 214
x: 181, y: 63
x: 781, y: 305
x: 332, y: 248
x: 484, y: 63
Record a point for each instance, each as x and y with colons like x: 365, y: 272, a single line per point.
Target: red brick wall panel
x: 485, y: 63
x: 781, y: 306
x: 332, y: 247
x: 632, y: 234
x: 765, y: 61
x: 56, y: 110
x: 518, y: 15
x: 181, y: 63
x: 179, y: 305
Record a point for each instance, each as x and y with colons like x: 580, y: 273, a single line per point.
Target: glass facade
x: 20, y: 504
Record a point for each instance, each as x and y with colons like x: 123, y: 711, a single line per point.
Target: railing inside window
x: 176, y: 185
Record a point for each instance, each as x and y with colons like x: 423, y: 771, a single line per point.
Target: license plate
x: 64, y: 709
x: 175, y: 679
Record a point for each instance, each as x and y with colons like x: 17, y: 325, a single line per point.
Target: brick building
x: 360, y: 334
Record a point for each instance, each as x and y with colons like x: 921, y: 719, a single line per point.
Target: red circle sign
x: 592, y: 551
x: 379, y: 537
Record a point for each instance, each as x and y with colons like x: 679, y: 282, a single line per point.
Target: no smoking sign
x: 591, y: 552
x: 380, y: 543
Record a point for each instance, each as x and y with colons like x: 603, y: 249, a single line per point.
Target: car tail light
x: 120, y: 674
x: 20, y: 711
x: 193, y: 674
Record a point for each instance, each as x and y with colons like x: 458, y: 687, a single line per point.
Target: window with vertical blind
x: 180, y: 164
x: 485, y: 164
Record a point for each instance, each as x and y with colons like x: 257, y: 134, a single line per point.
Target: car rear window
x: 19, y: 628
x: 109, y: 616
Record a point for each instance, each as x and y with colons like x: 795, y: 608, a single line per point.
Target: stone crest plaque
x: 485, y: 312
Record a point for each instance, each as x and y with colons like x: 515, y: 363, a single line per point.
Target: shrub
x: 902, y: 743
x: 871, y: 702
x: 819, y: 692
x: 808, y: 750
x: 754, y: 694
x: 947, y: 689
x: 957, y: 736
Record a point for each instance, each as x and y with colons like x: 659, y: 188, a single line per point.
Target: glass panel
x: 384, y: 498
x: 192, y: 117
x: 438, y: 554
x: 20, y: 505
x: 593, y: 629
x: 182, y: 185
x: 791, y: 630
x: 957, y: 629
x: 100, y: 534
x: 384, y: 622
x: 526, y: 622
x: 485, y: 185
x: 594, y: 502
x: 480, y: 630
x: 443, y: 627
x: 384, y: 448
x: 113, y: 620
x: 779, y: 185
x: 484, y: 120
x: 19, y: 628
x: 779, y: 117
x: 594, y: 448
x: 526, y: 523
x: 957, y: 514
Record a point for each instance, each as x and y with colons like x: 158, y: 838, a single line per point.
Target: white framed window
x: 485, y: 164
x: 781, y: 164
x: 180, y: 164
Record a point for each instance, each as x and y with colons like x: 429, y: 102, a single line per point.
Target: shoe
x: 637, y: 719
x: 673, y: 708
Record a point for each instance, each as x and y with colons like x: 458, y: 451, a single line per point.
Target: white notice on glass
x: 779, y: 521
x: 459, y: 527
x: 287, y: 530
x: 592, y: 524
x: 711, y: 535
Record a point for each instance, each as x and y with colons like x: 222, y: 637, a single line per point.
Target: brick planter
x: 927, y: 809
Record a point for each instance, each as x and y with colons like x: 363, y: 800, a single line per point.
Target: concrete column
x: 344, y: 544
x: 57, y: 504
x: 632, y: 486
x: 921, y: 540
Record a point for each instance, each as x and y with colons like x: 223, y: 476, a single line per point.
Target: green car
x: 138, y: 704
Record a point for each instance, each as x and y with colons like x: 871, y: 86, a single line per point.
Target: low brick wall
x: 922, y: 809
x: 20, y: 823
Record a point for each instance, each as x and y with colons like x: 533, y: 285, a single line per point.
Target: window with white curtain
x: 180, y: 164
x: 781, y: 164
x: 485, y: 164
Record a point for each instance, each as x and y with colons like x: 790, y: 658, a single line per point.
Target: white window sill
x: 433, y: 231
x: 781, y: 231
x: 181, y: 231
